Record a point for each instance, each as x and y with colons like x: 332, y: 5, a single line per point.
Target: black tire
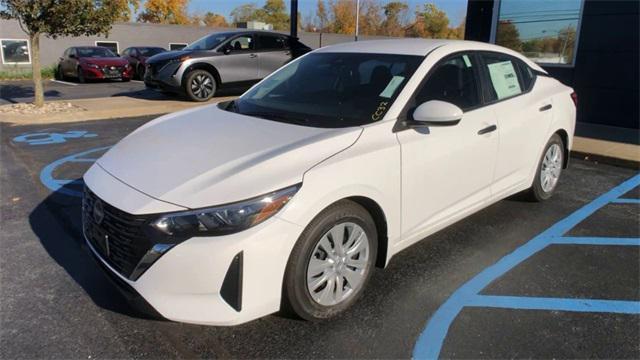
x: 296, y: 296
x: 537, y: 192
x: 81, y: 78
x: 58, y: 74
x: 200, y: 85
x: 125, y: 79
x: 140, y: 72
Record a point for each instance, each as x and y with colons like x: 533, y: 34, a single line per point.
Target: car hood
x: 208, y: 156
x: 101, y: 61
x: 167, y: 55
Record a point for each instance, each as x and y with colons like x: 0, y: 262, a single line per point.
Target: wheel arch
x: 202, y: 66
x: 564, y: 136
x: 380, y: 219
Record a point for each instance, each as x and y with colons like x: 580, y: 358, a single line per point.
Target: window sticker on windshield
x: 467, y: 62
x: 392, y: 87
x: 504, y: 79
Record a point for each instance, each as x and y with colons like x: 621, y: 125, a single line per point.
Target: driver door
x: 447, y: 171
x: 239, y: 61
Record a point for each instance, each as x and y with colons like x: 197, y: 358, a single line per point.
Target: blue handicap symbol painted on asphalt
x: 62, y: 185
x: 45, y: 138
x: 433, y: 336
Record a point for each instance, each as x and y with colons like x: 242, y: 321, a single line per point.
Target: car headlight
x: 224, y: 219
x: 93, y: 66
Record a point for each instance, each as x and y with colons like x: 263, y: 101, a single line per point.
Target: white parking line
x: 137, y: 80
x: 64, y: 82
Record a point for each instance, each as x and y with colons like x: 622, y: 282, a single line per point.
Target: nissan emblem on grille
x: 98, y: 212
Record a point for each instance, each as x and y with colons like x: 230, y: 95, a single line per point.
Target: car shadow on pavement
x: 17, y: 93
x: 56, y: 221
x: 149, y: 94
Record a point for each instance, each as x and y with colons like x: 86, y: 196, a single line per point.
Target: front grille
x: 119, y: 237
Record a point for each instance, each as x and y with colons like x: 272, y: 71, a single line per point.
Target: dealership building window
x: 546, y: 31
x: 15, y: 51
x: 176, y: 46
x: 111, y: 45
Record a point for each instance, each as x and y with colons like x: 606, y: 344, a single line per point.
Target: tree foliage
x: 56, y: 18
x: 508, y: 35
x: 273, y: 12
x: 165, y: 12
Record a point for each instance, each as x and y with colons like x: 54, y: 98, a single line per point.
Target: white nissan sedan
x: 289, y: 196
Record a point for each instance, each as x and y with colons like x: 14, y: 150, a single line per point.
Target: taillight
x: 574, y: 97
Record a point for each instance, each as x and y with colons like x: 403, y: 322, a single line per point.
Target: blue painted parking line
x: 555, y: 304
x: 432, y: 338
x: 626, y: 201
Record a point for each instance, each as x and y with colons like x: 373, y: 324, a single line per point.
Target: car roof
x: 420, y: 47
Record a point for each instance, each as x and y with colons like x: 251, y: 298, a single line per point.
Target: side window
x: 503, y: 76
x: 528, y: 77
x: 126, y: 52
x: 272, y: 42
x: 66, y: 53
x: 241, y: 43
x: 453, y: 81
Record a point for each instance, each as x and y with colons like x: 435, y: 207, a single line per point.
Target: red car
x: 93, y: 62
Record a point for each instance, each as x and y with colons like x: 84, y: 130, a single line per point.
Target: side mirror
x: 437, y: 113
x: 226, y: 50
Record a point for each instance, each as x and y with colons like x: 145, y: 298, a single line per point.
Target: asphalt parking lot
x: 558, y: 279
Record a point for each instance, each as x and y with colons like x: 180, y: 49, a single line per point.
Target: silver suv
x: 226, y: 59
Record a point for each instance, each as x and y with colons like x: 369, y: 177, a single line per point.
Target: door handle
x: 546, y: 107
x: 253, y: 56
x: 487, y: 130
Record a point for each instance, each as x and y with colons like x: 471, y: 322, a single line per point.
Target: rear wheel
x: 549, y: 170
x: 331, y: 262
x: 200, y: 85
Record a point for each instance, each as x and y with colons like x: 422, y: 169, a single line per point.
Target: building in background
x: 592, y: 46
x: 254, y: 25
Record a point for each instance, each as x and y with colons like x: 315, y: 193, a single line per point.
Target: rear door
x: 523, y: 116
x: 239, y: 63
x: 273, y: 51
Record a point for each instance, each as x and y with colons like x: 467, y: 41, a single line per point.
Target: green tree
x: 508, y: 35
x: 54, y: 18
x: 246, y: 12
x: 395, y: 14
x: 430, y: 22
x: 274, y: 12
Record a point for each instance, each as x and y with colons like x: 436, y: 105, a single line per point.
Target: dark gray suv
x: 227, y: 59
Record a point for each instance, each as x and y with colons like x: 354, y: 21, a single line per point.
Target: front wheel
x: 549, y: 170
x: 200, y: 85
x: 81, y: 78
x: 331, y: 263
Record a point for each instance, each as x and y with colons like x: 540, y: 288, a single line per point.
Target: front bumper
x: 104, y: 74
x: 222, y: 280
x: 163, y: 76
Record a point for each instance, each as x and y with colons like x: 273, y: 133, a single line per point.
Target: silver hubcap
x: 551, y: 168
x: 202, y: 86
x: 338, y: 264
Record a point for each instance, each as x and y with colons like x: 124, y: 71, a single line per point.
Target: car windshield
x: 95, y: 52
x: 330, y: 90
x: 208, y: 42
x: 150, y: 51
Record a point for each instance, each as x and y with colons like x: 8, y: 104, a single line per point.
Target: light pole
x: 357, y: 17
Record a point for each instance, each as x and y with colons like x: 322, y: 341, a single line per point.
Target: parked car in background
x: 137, y: 57
x: 227, y: 59
x: 92, y: 63
x: 292, y: 193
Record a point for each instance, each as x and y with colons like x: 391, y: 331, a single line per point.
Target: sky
x: 455, y: 9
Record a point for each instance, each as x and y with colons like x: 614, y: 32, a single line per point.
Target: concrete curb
x: 105, y: 108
